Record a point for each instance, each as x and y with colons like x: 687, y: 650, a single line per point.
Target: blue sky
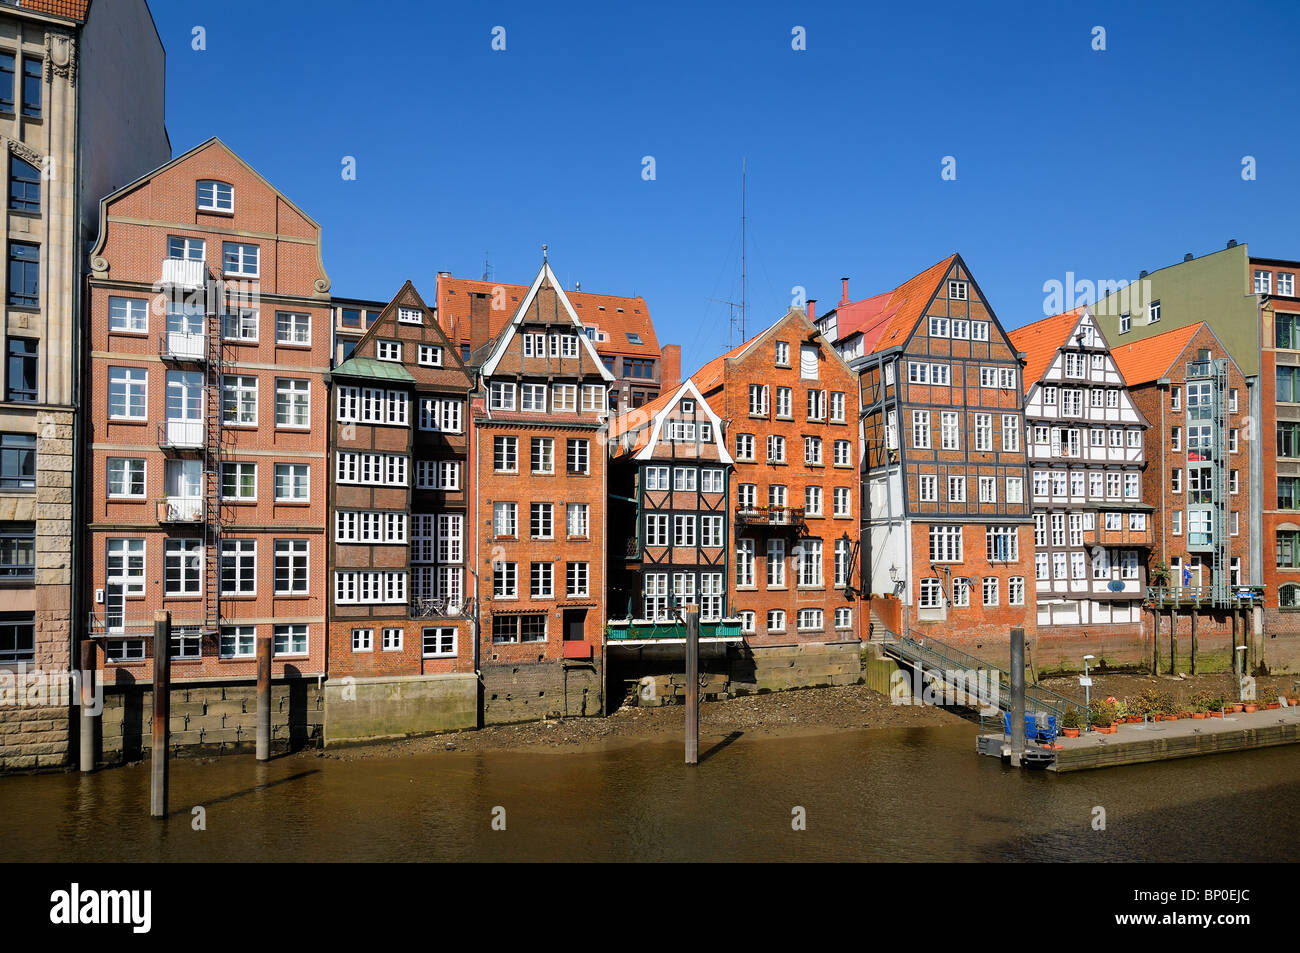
x: 1067, y: 159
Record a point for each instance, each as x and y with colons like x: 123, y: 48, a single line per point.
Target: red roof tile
x: 72, y: 9
x: 1149, y: 360
x: 1040, y: 341
x: 616, y: 316
x: 886, y: 319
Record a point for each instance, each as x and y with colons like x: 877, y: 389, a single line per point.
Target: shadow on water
x: 255, y: 789
x: 725, y: 742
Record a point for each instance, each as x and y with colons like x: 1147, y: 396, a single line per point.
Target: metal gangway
x: 951, y: 666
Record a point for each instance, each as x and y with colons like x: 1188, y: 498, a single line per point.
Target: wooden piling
x: 89, y: 720
x: 1017, y: 695
x: 263, y: 695
x: 1195, y: 646
x: 692, y: 684
x: 158, y: 774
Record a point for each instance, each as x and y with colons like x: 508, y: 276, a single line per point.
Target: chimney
x: 480, y: 319
x: 1142, y: 273
x: 1187, y: 257
x: 670, y: 367
x: 1232, y: 243
x: 844, y: 295
x: 812, y: 309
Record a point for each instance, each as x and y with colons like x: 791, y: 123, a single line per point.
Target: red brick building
x: 474, y: 312
x: 399, y: 500
x: 539, y: 419
x: 208, y: 324
x: 1197, y: 482
x: 946, y: 520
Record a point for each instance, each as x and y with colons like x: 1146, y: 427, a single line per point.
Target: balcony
x: 439, y: 607
x: 184, y: 273
x: 181, y: 509
x: 769, y: 515
x: 183, y: 346
x: 115, y: 625
x: 181, y: 435
x: 1119, y: 537
x: 1172, y: 596
x: 661, y: 630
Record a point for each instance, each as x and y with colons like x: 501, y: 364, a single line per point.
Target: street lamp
x: 1087, y: 688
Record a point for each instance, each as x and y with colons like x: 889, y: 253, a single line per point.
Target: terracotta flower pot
x: 1237, y: 707
x: 1200, y: 715
x: 1216, y: 714
x: 1168, y: 717
x: 1184, y: 714
x: 1273, y: 705
x: 1251, y: 709
x: 1070, y: 732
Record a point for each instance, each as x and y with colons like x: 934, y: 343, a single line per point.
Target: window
x: 593, y: 398
x: 712, y: 480
x: 292, y: 639
x: 125, y: 477
x: 1010, y: 433
x: 1002, y: 544
x: 7, y: 65
x: 24, y: 185
x: 239, y: 400
x: 292, y: 403
x: 24, y: 275
x: 1015, y: 490
x: 1176, y: 438
x: 291, y: 482
x: 843, y: 549
x: 501, y: 396
x: 938, y: 327
x: 388, y: 350
x: 1016, y: 589
x: 921, y: 429
x: 504, y: 521
x: 931, y: 594
x: 128, y: 315
x: 429, y: 355
x: 20, y: 380
x: 1263, y: 283
x: 291, y: 567
x: 212, y: 196
x: 384, y: 469
x: 126, y: 393
x: 239, y: 481
x: 745, y: 563
x: 238, y: 567
x: 683, y: 530
x: 988, y: 489
x: 542, y: 455
x: 812, y: 451
x: 638, y: 368
x: 949, y: 431
x: 292, y: 328
x: 240, y: 259
x: 685, y: 479
x: 840, y: 501
x: 990, y: 590
x: 1286, y: 284
x: 541, y: 520
x: 564, y: 398
x: 945, y: 544
x: 363, y: 640
x: 1288, y: 550
x: 928, y: 488
x: 238, y: 641
x: 576, y: 580
x: 32, y: 86
x: 1176, y: 480
x: 810, y: 619
x: 438, y: 643
x: 816, y: 405
x: 1125, y: 322
x: 775, y: 448
x: 758, y: 397
x: 575, y: 519
x: 656, y: 529
x: 776, y: 620
x: 782, y: 351
x: 577, y: 455
x: 182, y: 562
x: 186, y: 249
x: 18, y: 550
x: 541, y: 582
x: 505, y: 454
x: 784, y: 402
x: 526, y: 627
x: 240, y: 325
x: 656, y: 478
x: 956, y: 489
x: 532, y: 398
x: 957, y: 290
x: 837, y: 407
x: 776, y: 564
x: 1153, y: 312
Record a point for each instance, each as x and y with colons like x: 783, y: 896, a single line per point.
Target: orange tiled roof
x: 1149, y: 360
x: 886, y: 319
x: 638, y: 417
x: 1040, y: 341
x: 72, y: 9
x: 616, y: 316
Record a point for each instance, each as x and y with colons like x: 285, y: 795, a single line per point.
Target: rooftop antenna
x: 731, y: 319
x: 543, y: 252
x: 487, y: 268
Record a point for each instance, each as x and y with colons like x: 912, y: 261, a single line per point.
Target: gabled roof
x: 1040, y: 341
x: 374, y: 369
x: 886, y: 320
x: 564, y: 314
x: 1149, y: 360
x: 645, y: 423
x: 618, y: 317
x: 405, y: 294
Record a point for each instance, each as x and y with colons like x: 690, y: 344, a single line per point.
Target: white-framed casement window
x: 842, y: 552
x: 775, y: 448
x: 748, y: 621
x: 292, y: 328
x: 438, y: 642
x: 575, y: 520
x: 578, y: 456
x: 843, y: 618
x: 812, y: 501
x: 239, y: 567
x: 182, y: 567
x: 808, y: 563
x: 240, y: 259
x: 214, y: 196
x: 1263, y: 282
x: 505, y: 454
x: 292, y: 403
x: 363, y: 640
x: 505, y: 580
x: 292, y: 483
x: 712, y: 480
x: 241, y: 325
x: 931, y: 595
x: 744, y: 446
x: 843, y: 453
x: 1002, y: 544
x: 386, y: 587
x: 594, y: 400
x: 657, y: 478
x: 128, y: 315
x: 1125, y: 322
x: 410, y: 316
x: 776, y: 564
x: 391, y: 639
x: 126, y: 477
x: 654, y: 593
x: 239, y: 481
x: 781, y: 352
x: 938, y: 327
x: 532, y: 398
x: 656, y: 529
x: 776, y: 620
x: 956, y: 489
x: 577, y: 580
x: 758, y: 400
x: 541, y: 581
x: 1176, y: 438
x: 184, y: 248
x: 127, y: 393
x: 945, y: 544
x: 239, y: 400
x: 812, y: 451
x: 816, y: 405
x: 745, y: 563
x: 921, y: 429
x: 1176, y: 480
x: 542, y: 455
x: 991, y: 590
x: 683, y: 530
x: 928, y: 488
x: 541, y: 520
x: 711, y: 531
x: 784, y: 402
x: 841, y: 501
x: 289, y: 639
x: 988, y: 489
x: 685, y: 479
x: 1286, y: 284
x: 384, y: 469
x: 564, y: 398
x: 1016, y: 589
x: 957, y: 290
x: 949, y: 431
x: 238, y: 641
x: 837, y: 406
x: 440, y: 415
x: 505, y: 519
x: 961, y: 592
x: 387, y: 350
x: 429, y: 355
x: 747, y: 496
x: 810, y: 620
x: 291, y: 571
x: 501, y: 395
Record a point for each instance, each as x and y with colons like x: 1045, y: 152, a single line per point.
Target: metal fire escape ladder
x: 1219, y: 483
x: 212, y: 466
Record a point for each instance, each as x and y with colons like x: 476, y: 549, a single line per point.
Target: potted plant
x: 1268, y: 698
x: 1250, y: 707
x: 1070, y: 723
x: 1103, y: 717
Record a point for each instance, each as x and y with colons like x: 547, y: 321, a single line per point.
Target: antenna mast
x: 742, y: 249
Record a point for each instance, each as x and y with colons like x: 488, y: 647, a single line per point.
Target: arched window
x: 215, y: 196
x: 1288, y: 596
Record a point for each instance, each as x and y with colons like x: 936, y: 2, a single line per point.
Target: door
x: 124, y: 576
x: 184, y: 409
x: 575, y: 625
x: 183, y: 487
x: 185, y: 337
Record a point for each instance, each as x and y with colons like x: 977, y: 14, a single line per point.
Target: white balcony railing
x: 185, y: 345
x: 180, y: 509
x: 183, y: 272
x: 181, y: 434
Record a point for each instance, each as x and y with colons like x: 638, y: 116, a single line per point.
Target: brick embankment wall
x: 369, y: 709
x: 531, y: 691
x: 211, y: 719
x: 34, y: 737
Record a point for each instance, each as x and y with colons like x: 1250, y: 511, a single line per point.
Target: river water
x: 888, y: 794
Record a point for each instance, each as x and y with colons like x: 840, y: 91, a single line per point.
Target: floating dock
x: 1165, y: 740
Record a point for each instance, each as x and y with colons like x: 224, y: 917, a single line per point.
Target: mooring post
x: 1195, y: 644
x: 263, y: 695
x: 1155, y: 641
x: 162, y: 650
x: 89, y: 719
x: 1173, y: 643
x: 1017, y: 695
x: 692, y: 684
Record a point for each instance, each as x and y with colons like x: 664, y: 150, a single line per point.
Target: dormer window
x: 688, y: 406
x: 410, y: 316
x: 430, y: 355
x: 957, y: 290
x: 215, y: 196
x: 631, y: 337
